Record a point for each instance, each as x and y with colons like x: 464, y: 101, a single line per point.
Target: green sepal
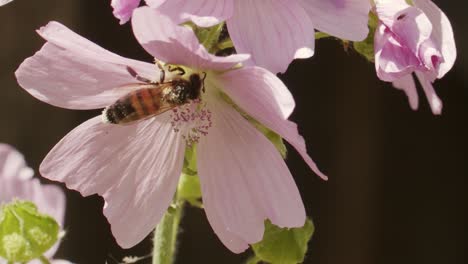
x: 189, y: 190
x: 283, y: 245
x: 320, y: 35
x: 366, y: 47
x: 189, y: 184
x: 25, y: 234
x: 208, y: 36
x: 190, y: 161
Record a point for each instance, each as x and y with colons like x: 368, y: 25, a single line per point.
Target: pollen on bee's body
x: 193, y: 120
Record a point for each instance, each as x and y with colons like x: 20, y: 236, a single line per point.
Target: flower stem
x: 165, y: 236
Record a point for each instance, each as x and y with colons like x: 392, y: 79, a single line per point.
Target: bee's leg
x: 203, y: 81
x: 163, y: 71
x: 135, y: 75
x: 181, y: 71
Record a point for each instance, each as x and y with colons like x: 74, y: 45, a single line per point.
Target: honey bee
x: 154, y: 98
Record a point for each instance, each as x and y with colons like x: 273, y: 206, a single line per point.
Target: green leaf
x: 283, y: 245
x: 25, y: 234
x: 366, y: 47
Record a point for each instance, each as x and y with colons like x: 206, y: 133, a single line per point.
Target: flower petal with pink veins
x: 273, y: 32
x: 73, y: 72
x: 248, y: 182
x: 135, y: 168
x: 263, y: 96
x: 431, y: 95
x: 345, y: 19
x: 123, y: 9
x: 407, y: 85
x: 204, y: 13
x: 442, y: 35
x: 175, y: 44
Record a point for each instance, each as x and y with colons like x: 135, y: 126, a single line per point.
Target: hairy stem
x: 165, y: 236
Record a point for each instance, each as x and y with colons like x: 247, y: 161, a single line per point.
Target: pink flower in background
x: 136, y: 167
x: 16, y: 182
x: 274, y: 32
x: 123, y: 9
x: 415, y: 39
x: 4, y: 2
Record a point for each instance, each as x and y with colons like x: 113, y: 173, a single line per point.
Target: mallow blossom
x: 413, y: 39
x: 17, y: 182
x: 136, y: 167
x: 274, y: 32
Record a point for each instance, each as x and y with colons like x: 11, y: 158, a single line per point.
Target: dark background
x: 397, y: 188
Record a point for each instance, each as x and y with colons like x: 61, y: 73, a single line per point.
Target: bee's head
x: 198, y: 84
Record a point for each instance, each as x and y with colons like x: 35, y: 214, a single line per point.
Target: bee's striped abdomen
x: 135, y: 105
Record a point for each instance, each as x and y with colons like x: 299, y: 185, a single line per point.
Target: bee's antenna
x: 135, y: 75
x: 203, y: 81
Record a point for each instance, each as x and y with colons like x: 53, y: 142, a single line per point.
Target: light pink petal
x: 12, y: 164
x: 244, y: 180
x: 442, y: 34
x: 346, y: 19
x: 123, y: 9
x: 60, y: 261
x: 204, y: 13
x: 49, y: 199
x: 409, y: 24
x: 134, y: 167
x: 432, y: 98
x: 52, y: 261
x: 273, y: 32
x: 4, y: 2
x: 407, y: 85
x: 171, y: 43
x: 392, y: 59
x: 264, y: 97
x: 73, y: 72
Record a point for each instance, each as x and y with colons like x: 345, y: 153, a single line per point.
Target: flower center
x: 192, y: 120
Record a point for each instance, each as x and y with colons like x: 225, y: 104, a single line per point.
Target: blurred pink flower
x: 4, y: 2
x: 123, y: 9
x: 415, y: 39
x: 16, y: 182
x: 274, y: 32
x: 136, y: 167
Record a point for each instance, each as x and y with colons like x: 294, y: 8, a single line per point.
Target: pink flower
x: 16, y: 182
x: 277, y: 31
x: 136, y: 167
x: 123, y: 9
x: 415, y: 39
